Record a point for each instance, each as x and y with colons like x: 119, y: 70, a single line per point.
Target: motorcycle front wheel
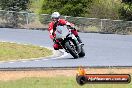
x: 82, y: 53
x: 71, y: 50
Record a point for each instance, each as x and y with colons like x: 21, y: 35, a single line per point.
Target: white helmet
x: 55, y: 15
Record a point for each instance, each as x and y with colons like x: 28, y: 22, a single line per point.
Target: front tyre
x: 82, y: 53
x: 71, y: 50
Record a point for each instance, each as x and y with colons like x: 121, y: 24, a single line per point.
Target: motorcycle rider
x: 52, y: 28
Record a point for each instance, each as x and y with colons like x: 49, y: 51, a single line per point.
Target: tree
x: 14, y: 5
x: 126, y: 1
x: 104, y: 9
x: 126, y: 11
x: 66, y: 7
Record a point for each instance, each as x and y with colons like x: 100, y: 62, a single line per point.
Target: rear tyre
x: 71, y: 50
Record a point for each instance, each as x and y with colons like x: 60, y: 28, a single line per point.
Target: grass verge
x: 13, y: 51
x: 55, y: 82
x: 57, y: 78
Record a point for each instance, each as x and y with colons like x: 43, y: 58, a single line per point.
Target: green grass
x: 13, y: 51
x: 55, y: 82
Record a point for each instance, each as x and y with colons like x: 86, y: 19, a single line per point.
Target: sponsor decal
x: 82, y: 78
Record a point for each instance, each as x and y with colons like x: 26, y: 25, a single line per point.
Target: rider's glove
x: 71, y: 27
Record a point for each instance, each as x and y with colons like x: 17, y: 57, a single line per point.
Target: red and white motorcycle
x: 69, y: 42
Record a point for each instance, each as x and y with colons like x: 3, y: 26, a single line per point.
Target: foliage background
x: 104, y: 9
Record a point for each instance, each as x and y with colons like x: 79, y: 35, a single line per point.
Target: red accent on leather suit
x: 60, y: 22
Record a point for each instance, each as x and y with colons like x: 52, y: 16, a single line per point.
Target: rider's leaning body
x: 60, y: 22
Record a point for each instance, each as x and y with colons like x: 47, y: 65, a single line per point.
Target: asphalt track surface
x: 101, y: 49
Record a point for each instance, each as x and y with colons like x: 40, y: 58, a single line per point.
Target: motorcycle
x: 69, y: 42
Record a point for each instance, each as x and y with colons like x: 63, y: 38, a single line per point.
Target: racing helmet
x: 55, y: 15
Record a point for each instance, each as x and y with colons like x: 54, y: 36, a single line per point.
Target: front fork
x: 62, y: 44
x: 76, y: 43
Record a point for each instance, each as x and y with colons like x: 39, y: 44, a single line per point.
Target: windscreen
x: 61, y: 31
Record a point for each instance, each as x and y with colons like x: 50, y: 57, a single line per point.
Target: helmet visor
x: 55, y: 19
